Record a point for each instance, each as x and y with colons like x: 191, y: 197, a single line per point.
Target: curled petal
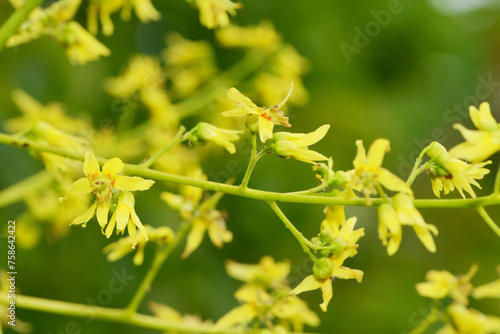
x: 102, y: 214
x: 360, y: 158
x: 309, y: 156
x: 313, y: 137
x: 85, y: 216
x: 195, y: 237
x: 392, y: 182
x: 327, y: 291
x: 236, y: 96
x: 132, y: 183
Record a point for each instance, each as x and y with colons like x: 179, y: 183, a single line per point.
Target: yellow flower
x: 214, y: 13
x: 267, y: 274
x: 294, y: 145
x: 480, y: 144
x: 81, y: 46
x: 448, y: 172
x: 142, y: 73
x: 189, y: 63
x: 402, y: 212
x: 326, y: 269
x: 205, y: 132
x: 105, y: 185
x: 122, y: 247
x: 488, y: 290
x: 441, y: 284
x: 468, y: 321
x: 33, y: 111
x: 262, y: 37
x: 368, y: 173
x: 102, y: 9
x: 261, y: 120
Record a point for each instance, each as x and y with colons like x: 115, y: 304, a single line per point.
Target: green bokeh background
x: 410, y: 83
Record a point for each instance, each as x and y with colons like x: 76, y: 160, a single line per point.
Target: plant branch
x: 251, y: 164
x: 18, y: 191
x: 158, y: 261
x: 178, y: 138
x: 296, y: 233
x: 267, y: 196
x: 496, y: 187
x: 488, y: 220
x: 15, y: 20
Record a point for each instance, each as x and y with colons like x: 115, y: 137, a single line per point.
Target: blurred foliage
x: 430, y: 58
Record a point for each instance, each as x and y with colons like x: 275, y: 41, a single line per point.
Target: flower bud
x: 252, y: 123
x: 322, y: 269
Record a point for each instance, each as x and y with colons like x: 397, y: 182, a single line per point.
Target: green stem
x: 267, y: 196
x: 251, y: 164
x: 18, y: 191
x: 15, y: 20
x: 296, y: 233
x: 496, y: 187
x: 157, y: 263
x: 431, y: 317
x: 382, y: 193
x: 178, y: 138
x: 91, y: 312
x: 488, y: 220
x: 416, y: 167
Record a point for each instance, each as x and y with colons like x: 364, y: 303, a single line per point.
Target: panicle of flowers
x: 295, y: 145
x: 261, y: 120
x: 113, y: 193
x: 458, y: 318
x: 56, y: 21
x: 482, y: 143
x: 201, y: 213
x: 124, y: 246
x: 448, y: 172
x: 264, y: 300
x: 401, y: 211
x: 102, y: 10
x: 215, y: 13
x: 340, y: 239
x: 368, y: 173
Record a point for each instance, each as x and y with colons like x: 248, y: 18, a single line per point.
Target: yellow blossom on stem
x: 205, y: 132
x: 482, y: 143
x: 214, y: 13
x: 268, y: 273
x: 448, y: 172
x: 441, y: 284
x: 402, y: 212
x: 105, y: 185
x: 326, y: 269
x: 294, y: 145
x: 368, y: 173
x: 261, y: 120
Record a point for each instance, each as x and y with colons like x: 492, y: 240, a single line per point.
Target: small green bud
x: 339, y: 245
x: 323, y: 268
x: 341, y: 178
x: 252, y: 123
x: 326, y: 236
x: 316, y: 241
x: 323, y: 253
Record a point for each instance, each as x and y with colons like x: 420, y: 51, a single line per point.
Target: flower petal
x: 102, y: 214
x: 392, y: 182
x: 112, y: 167
x: 81, y: 186
x: 327, y: 292
x: 376, y: 153
x: 132, y: 183
x: 90, y: 164
x: 360, y: 158
x: 306, y: 155
x: 313, y: 137
x: 265, y: 129
x: 85, y: 216
x: 122, y: 214
x: 309, y: 283
x: 240, y: 314
x: 240, y: 111
x: 236, y: 96
x: 195, y: 237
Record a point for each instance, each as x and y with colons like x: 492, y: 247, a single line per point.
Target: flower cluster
x: 264, y: 300
x: 339, y: 237
x: 457, y: 316
x: 113, y: 193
